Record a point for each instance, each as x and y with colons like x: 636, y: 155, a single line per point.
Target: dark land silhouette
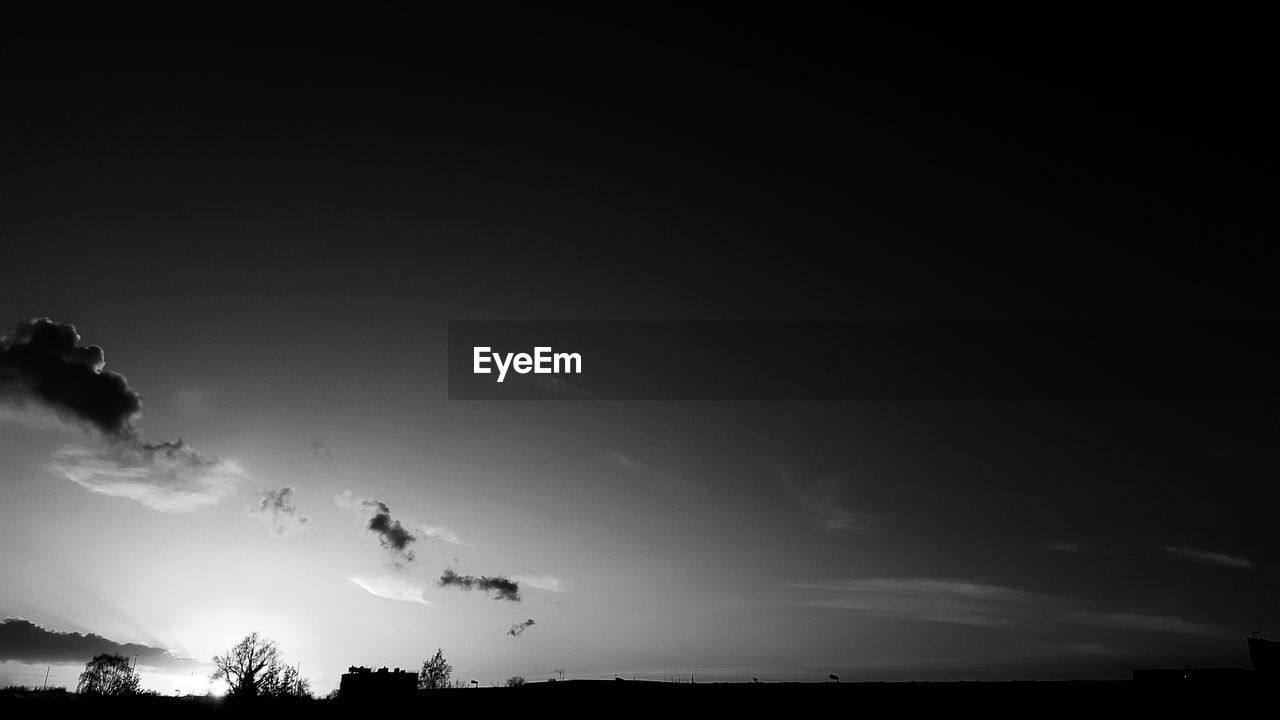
x: 598, y: 698
x: 1214, y: 692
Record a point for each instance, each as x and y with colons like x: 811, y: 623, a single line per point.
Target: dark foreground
x: 603, y: 698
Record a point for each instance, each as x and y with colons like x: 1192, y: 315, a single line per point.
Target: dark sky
x: 268, y: 224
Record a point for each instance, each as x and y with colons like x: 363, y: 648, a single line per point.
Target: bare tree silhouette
x: 253, y: 667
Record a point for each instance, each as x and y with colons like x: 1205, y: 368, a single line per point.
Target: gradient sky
x: 267, y: 230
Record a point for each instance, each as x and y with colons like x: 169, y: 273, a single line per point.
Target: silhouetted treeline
x: 593, y: 698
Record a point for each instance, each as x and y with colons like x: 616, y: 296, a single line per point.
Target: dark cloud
x: 518, y: 629
x: 23, y: 641
x: 275, y: 508
x: 393, y: 537
x: 501, y: 587
x: 43, y: 361
x: 43, y: 367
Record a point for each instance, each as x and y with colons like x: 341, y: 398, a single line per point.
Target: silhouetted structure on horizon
x: 1263, y: 654
x: 366, y: 682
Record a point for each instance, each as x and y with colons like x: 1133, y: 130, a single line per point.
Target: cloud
x: 43, y: 362
x: 1212, y: 558
x: 501, y: 587
x: 276, y: 510
x: 191, y: 401
x: 169, y: 477
x: 440, y: 533
x: 1147, y: 623
x: 824, y: 499
x: 621, y: 460
x: 26, y: 642
x: 49, y: 380
x: 518, y: 629
x: 557, y: 386
x: 393, y: 588
x: 35, y: 416
x: 840, y: 523
x: 541, y: 582
x: 947, y: 601
x: 392, y: 535
x: 960, y: 602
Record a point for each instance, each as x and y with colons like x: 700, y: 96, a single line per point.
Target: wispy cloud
x: 961, y: 602
x: 948, y: 601
x: 394, y: 587
x: 169, y: 477
x: 1147, y: 623
x: 621, y: 460
x: 823, y: 498
x: 1212, y: 558
x: 518, y: 629
x: 557, y: 386
x: 191, y: 401
x: 541, y: 582
x: 35, y: 416
x: 436, y: 532
x: 277, y: 511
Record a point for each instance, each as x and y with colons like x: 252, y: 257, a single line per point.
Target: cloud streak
x: 1211, y: 558
x: 621, y: 460
x: 26, y: 642
x: 823, y: 499
x: 501, y: 587
x: 518, y: 629
x: 541, y: 582
x: 393, y: 588
x: 959, y: 602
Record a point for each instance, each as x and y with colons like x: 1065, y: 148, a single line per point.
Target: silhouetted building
x: 1264, y: 654
x: 366, y: 682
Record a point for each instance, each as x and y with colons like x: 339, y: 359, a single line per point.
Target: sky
x: 266, y: 230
